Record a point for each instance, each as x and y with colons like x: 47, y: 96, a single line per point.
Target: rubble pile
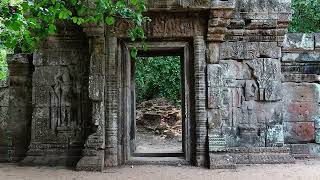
x: 161, y: 117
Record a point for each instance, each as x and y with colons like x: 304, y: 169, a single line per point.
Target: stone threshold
x: 166, y: 161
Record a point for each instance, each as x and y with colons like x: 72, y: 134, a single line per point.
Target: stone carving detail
x: 268, y: 74
x: 251, y: 90
x: 241, y: 114
x: 177, y: 3
x: 170, y: 25
x: 60, y: 110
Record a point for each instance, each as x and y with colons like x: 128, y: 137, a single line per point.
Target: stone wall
x: 301, y: 70
x: 16, y: 110
x: 245, y: 92
x: 251, y: 93
x: 4, y: 105
x: 60, y: 117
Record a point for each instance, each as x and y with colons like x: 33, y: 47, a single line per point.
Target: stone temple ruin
x: 251, y: 91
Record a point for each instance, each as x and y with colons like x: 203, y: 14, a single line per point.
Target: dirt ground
x: 150, y: 143
x: 302, y: 170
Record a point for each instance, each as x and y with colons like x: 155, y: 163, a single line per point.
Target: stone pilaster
x: 16, y: 109
x: 219, y: 19
x: 93, y: 153
x: 200, y: 99
x: 111, y: 99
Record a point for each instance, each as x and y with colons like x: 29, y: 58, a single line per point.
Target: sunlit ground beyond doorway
x: 158, y: 105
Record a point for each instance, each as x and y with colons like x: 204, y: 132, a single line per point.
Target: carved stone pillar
x: 93, y: 154
x: 200, y: 99
x: 112, y: 93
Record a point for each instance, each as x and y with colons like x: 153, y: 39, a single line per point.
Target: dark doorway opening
x: 158, y: 102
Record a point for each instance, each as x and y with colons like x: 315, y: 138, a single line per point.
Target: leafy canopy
x: 23, y: 23
x: 158, y: 77
x: 306, y: 16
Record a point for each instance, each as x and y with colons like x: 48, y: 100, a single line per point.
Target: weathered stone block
x: 269, y: 50
x: 237, y: 97
x: 213, y: 53
x: 19, y: 96
x: 263, y: 8
x: 232, y: 69
x: 97, y: 64
x: 317, y: 136
x: 214, y: 74
x: 41, y: 112
x: 22, y: 81
x: 239, y: 50
x: 275, y: 136
x: 314, y: 149
x: 301, y: 57
x: 268, y: 75
x: 251, y: 90
x: 96, y: 87
x: 266, y: 68
x: 233, y: 83
x: 301, y: 92
x: 301, y: 68
x: 214, y: 119
x: 309, y: 78
x: 301, y: 112
x: 298, y: 41
x: 214, y: 97
x: 317, y: 40
x: 217, y: 142
x: 18, y: 59
x: 299, y: 149
x: 4, y: 83
x: 272, y: 91
x: 52, y: 57
x: 4, y: 96
x: 46, y: 96
x: 299, y: 132
x: 269, y: 113
x: 51, y: 75
x: 3, y: 118
x: 221, y: 161
x: 92, y: 163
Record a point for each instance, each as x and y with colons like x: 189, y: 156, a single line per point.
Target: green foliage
x: 306, y: 16
x: 23, y: 23
x: 3, y: 64
x: 158, y: 77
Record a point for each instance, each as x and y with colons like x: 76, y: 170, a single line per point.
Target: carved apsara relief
x: 60, y: 109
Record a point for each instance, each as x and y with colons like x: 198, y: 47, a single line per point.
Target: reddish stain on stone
x: 302, y: 111
x: 304, y: 131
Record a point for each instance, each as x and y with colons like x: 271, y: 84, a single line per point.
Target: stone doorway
x: 158, y: 118
x: 132, y: 149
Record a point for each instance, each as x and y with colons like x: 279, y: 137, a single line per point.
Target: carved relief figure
x: 59, y: 108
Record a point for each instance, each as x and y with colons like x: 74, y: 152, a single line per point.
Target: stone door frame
x: 127, y: 102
